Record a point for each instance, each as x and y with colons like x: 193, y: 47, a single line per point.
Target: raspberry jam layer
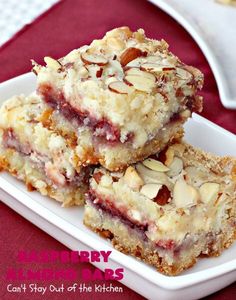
x: 11, y: 141
x: 102, y: 128
x: 109, y: 208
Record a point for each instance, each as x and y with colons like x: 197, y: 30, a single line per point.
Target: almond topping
x: 52, y: 63
x: 196, y: 175
x: 163, y: 196
x: 153, y: 59
x: 155, y: 165
x: 120, y: 87
x: 176, y: 167
x: 183, y: 74
x: 138, y: 72
x: 130, y: 54
x: 150, y: 190
x: 151, y: 67
x: 184, y: 195
x: 132, y: 179
x: 140, y: 83
x: 89, y: 59
x: 150, y: 176
x: 209, y: 191
x: 136, y: 63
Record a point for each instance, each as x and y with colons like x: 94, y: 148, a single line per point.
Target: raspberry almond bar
x: 38, y: 155
x: 167, y: 210
x: 127, y: 93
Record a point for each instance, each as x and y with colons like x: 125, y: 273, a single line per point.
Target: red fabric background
x: 68, y: 25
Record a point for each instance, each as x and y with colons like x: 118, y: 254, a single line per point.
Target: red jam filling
x: 11, y: 141
x: 101, y: 128
x: 109, y: 208
x: 166, y: 244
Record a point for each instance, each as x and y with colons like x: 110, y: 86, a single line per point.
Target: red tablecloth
x: 68, y: 25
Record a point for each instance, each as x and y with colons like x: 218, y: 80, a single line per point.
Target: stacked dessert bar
x: 107, y: 122
x: 126, y: 95
x: 168, y: 209
x: 35, y: 149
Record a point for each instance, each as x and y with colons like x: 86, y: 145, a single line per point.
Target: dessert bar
x: 38, y: 155
x: 167, y: 210
x: 127, y: 94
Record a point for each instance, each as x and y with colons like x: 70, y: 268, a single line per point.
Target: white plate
x: 201, y: 19
x: 65, y: 225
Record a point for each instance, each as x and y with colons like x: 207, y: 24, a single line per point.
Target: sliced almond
x: 209, y: 191
x: 52, y: 63
x: 151, y: 67
x: 150, y: 176
x: 150, y: 190
x: 136, y: 63
x: 184, y: 195
x: 109, y: 80
x: 115, y: 68
x: 89, y: 59
x: 196, y: 175
x: 116, y: 44
x: 140, y: 83
x: 132, y: 178
x: 154, y: 59
x: 176, y: 167
x: 138, y: 72
x: 155, y: 165
x: 130, y: 54
x: 120, y: 87
x: 183, y: 74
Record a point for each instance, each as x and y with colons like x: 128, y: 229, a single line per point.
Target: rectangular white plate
x: 65, y: 224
